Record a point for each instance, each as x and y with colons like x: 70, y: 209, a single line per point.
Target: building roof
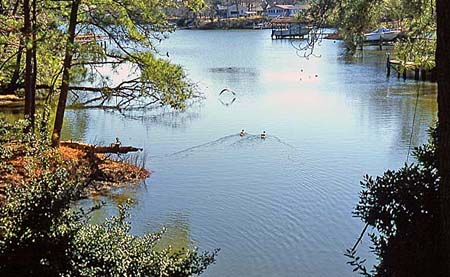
x: 231, y: 7
x: 292, y: 7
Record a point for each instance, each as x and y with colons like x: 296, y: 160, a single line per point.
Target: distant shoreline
x: 242, y: 23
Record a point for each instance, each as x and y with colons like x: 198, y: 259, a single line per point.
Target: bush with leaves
x: 37, y: 226
x: 403, y: 207
x: 41, y: 234
x: 110, y: 250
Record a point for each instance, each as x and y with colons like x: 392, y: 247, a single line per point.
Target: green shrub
x: 403, y: 208
x: 109, y: 250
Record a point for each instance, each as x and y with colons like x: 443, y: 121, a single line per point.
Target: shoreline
x: 100, y: 173
x: 242, y: 23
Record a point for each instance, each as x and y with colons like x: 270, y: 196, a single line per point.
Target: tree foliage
x: 403, y: 207
x: 418, y: 19
x: 353, y: 18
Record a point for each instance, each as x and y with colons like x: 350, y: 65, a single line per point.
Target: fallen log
x: 13, y: 101
x: 11, y: 104
x: 114, y: 148
x: 11, y: 97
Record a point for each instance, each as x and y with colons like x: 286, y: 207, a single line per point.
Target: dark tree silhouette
x: 443, y: 146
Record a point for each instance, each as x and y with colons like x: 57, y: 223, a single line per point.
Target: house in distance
x: 285, y: 10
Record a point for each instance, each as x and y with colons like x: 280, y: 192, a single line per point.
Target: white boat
x: 382, y: 34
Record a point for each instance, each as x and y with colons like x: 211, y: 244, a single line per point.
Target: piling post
x: 416, y: 73
x: 404, y: 74
x: 388, y: 66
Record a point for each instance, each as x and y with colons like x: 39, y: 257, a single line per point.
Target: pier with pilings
x: 409, y: 70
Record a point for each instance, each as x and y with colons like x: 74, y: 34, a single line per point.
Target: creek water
x: 280, y: 206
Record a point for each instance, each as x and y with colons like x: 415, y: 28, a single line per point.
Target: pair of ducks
x: 243, y: 133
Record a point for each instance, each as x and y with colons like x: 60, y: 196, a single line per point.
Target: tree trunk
x: 56, y: 136
x: 29, y: 113
x: 443, y: 147
x: 16, y: 75
x: 34, y: 62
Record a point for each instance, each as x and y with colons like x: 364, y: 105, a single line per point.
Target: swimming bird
x: 242, y: 133
x: 263, y: 135
x: 227, y: 90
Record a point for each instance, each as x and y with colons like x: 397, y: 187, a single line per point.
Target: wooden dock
x: 415, y: 70
x: 289, y: 28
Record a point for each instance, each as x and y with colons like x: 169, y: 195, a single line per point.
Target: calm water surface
x: 282, y: 206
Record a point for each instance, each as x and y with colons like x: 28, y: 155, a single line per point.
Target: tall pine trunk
x: 34, y: 62
x: 29, y: 112
x: 56, y: 136
x: 443, y: 147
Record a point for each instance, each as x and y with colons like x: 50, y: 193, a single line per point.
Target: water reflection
x: 177, y: 234
x: 75, y: 124
x: 173, y: 119
x: 109, y: 201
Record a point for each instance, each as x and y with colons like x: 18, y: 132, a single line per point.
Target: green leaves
x: 419, y: 24
x: 109, y: 250
x: 354, y: 17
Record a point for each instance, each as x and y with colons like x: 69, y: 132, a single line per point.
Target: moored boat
x: 382, y: 34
